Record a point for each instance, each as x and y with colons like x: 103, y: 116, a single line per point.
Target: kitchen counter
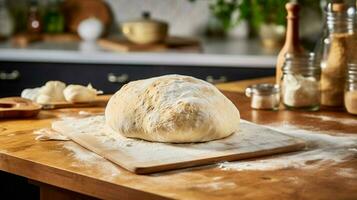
x: 66, y: 165
x: 216, y: 53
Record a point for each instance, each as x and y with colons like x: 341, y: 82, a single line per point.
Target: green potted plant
x: 225, y: 14
x: 266, y: 18
x: 262, y: 15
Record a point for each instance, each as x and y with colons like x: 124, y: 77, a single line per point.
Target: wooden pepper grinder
x: 292, y: 43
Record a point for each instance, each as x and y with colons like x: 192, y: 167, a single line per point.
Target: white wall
x: 184, y: 17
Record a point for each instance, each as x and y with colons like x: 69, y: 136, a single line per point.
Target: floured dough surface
x: 52, y: 91
x: 80, y: 93
x: 172, y: 108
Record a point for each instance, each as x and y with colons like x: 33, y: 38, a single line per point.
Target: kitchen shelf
x: 216, y: 53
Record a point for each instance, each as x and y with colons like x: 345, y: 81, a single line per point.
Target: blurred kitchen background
x: 81, y: 41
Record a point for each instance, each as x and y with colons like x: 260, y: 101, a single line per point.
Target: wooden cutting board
x: 16, y: 107
x: 142, y: 157
x: 101, y: 100
x: 24, y: 39
x: 171, y: 43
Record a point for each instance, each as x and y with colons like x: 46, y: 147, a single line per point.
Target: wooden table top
x: 54, y: 163
x: 239, y: 86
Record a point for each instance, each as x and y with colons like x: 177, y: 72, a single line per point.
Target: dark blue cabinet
x: 15, y: 76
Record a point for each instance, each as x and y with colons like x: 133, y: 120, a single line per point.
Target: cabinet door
x: 14, y: 77
x: 216, y: 75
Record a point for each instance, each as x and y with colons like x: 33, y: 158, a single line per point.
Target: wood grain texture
x: 48, y: 192
x: 52, y: 163
x: 240, y: 86
x: 142, y: 157
x: 16, y: 107
x: 24, y: 39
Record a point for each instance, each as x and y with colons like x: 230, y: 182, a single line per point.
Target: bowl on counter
x: 145, y: 30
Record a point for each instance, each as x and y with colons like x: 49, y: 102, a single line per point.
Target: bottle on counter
x: 350, y: 99
x: 6, y: 21
x: 300, y: 84
x: 335, y: 51
x: 54, y: 21
x: 292, y: 44
x: 34, y: 21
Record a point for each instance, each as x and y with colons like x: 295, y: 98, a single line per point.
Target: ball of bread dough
x: 79, y: 93
x: 172, y: 108
x: 30, y: 93
x: 51, y: 92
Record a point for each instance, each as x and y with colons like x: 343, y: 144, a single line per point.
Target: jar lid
x: 304, y: 63
x: 351, y: 73
x: 352, y: 66
x: 305, y: 59
x: 262, y: 89
x: 339, y: 17
x: 146, y: 19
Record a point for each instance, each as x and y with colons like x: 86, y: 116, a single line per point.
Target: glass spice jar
x: 300, y: 84
x: 350, y: 97
x: 264, y: 96
x: 34, y: 22
x: 335, y: 51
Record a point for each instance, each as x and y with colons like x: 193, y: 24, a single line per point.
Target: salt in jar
x: 264, y: 96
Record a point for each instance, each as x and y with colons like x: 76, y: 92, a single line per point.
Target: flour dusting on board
x: 322, y: 149
x: 46, y: 134
x: 345, y: 121
x: 101, y: 138
x: 215, y: 186
x: 347, y: 173
x: 84, y: 157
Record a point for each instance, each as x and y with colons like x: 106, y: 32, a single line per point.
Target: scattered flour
x: 347, y: 172
x: 215, y: 186
x: 345, y: 121
x: 217, y: 178
x: 84, y: 113
x: 84, y: 157
x: 46, y: 134
x: 81, y: 154
x: 95, y: 130
x: 67, y: 117
x: 322, y: 149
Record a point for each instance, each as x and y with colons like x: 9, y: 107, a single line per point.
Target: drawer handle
x: 221, y: 79
x: 14, y: 75
x: 123, y: 78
